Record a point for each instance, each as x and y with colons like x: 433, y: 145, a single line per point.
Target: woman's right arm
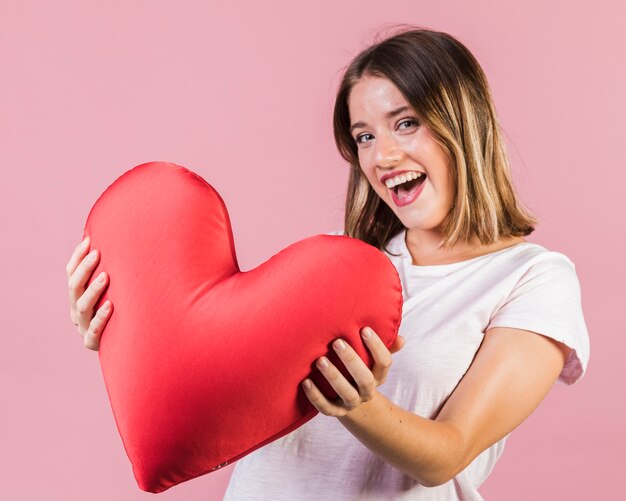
x: 82, y: 299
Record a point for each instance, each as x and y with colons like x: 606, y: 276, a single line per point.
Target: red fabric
x: 202, y: 362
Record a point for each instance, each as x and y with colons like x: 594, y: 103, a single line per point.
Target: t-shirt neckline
x: 447, y: 266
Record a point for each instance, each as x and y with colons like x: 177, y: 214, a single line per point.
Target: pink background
x: 242, y: 93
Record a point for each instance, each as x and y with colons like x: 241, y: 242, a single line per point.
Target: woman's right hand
x: 82, y: 298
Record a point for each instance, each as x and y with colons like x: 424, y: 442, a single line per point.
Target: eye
x: 409, y: 120
x: 358, y: 138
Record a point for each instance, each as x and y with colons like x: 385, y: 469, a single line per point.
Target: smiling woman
x: 489, y: 322
x: 420, y: 101
x: 387, y: 149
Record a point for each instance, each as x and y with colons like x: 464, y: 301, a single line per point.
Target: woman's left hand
x: 367, y: 380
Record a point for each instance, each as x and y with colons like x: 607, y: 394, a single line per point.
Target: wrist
x: 365, y: 410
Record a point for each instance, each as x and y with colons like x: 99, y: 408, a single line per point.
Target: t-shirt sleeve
x: 547, y: 300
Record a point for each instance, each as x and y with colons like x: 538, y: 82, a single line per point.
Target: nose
x: 388, y: 153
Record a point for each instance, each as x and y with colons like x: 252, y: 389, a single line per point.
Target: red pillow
x: 203, y: 362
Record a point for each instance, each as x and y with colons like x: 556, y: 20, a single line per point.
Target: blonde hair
x: 448, y: 91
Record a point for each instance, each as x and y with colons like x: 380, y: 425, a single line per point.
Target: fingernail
x: 85, y: 242
x: 340, y: 345
x: 107, y: 305
x: 307, y: 384
x: 366, y: 333
x: 100, y: 278
x: 323, y: 363
x: 92, y: 255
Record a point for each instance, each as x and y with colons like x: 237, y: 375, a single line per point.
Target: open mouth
x: 405, y: 189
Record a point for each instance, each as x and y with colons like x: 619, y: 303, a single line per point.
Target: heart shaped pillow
x: 203, y: 362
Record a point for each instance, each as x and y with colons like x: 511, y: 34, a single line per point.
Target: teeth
x: 402, y: 178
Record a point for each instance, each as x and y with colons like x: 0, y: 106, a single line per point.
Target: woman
x: 490, y: 320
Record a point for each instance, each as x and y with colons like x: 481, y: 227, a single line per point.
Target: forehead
x: 374, y: 94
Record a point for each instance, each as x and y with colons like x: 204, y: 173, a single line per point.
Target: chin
x: 419, y: 224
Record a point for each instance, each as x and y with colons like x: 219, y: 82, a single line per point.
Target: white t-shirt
x: 447, y: 308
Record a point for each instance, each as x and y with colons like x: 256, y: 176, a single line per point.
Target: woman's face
x: 390, y: 140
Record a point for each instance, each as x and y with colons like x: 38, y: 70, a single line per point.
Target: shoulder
x: 531, y: 270
x: 532, y: 253
x: 544, y: 296
x: 535, y: 263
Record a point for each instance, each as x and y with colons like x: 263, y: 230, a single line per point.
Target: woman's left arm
x: 510, y: 375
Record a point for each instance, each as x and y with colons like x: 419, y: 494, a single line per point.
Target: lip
x: 401, y: 202
x: 396, y: 173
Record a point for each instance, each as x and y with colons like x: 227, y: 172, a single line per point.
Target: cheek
x: 368, y: 174
x: 372, y: 181
x: 450, y: 188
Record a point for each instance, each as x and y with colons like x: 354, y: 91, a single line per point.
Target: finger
x: 85, y: 303
x: 97, y: 325
x: 78, y: 279
x: 349, y: 394
x: 80, y: 276
x: 380, y: 353
x: 359, y: 370
x: 320, y: 402
x: 77, y: 256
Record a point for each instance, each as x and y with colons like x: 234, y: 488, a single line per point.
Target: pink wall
x: 242, y: 93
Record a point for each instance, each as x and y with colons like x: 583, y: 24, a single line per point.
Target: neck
x: 426, y: 247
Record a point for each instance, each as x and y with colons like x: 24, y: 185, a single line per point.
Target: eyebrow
x: 389, y: 114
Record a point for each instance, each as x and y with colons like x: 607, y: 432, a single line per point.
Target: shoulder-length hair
x: 448, y: 91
